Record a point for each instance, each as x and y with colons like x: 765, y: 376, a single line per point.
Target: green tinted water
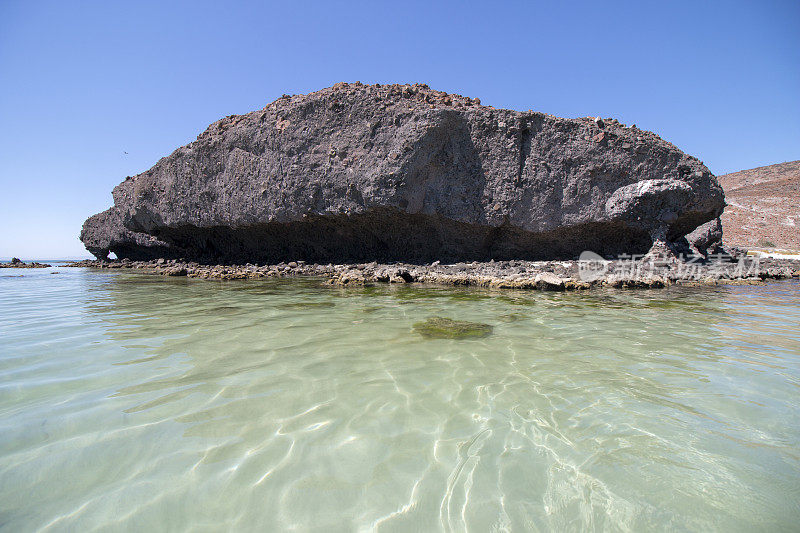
x: 130, y: 401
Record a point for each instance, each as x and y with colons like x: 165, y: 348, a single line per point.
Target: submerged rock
x: 446, y: 328
x: 398, y: 172
x: 307, y: 305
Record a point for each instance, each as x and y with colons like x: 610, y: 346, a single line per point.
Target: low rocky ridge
x: 17, y: 263
x: 359, y: 173
x: 647, y: 272
x: 763, y: 207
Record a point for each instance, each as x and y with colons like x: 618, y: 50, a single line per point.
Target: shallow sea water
x: 132, y: 402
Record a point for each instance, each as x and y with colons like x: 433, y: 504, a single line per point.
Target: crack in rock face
x: 405, y: 173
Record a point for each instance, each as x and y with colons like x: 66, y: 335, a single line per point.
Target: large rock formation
x: 104, y: 233
x: 399, y: 172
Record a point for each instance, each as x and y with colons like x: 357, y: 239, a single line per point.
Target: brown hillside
x: 763, y: 206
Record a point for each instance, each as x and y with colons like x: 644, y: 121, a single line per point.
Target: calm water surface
x: 136, y: 402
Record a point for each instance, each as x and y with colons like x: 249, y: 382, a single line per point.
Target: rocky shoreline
x: 642, y: 272
x: 17, y: 263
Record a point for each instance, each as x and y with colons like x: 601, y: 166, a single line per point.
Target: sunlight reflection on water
x: 135, y: 401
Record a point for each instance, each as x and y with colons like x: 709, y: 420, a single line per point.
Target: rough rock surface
x: 403, y: 172
x: 763, y: 207
x: 16, y: 262
x: 104, y: 233
x: 706, y: 240
x: 634, y: 272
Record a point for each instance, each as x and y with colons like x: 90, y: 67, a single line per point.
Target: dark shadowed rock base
x: 391, y: 235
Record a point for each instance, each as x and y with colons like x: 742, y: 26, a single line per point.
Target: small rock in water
x: 446, y: 328
x: 549, y: 282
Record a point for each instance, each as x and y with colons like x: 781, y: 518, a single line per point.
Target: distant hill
x: 763, y: 206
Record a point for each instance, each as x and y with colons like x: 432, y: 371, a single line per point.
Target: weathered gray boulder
x: 706, y: 240
x: 399, y: 172
x: 104, y: 233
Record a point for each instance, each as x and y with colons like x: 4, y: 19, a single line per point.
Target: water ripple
x: 131, y: 401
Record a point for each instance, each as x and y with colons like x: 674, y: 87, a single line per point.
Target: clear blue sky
x: 83, y: 82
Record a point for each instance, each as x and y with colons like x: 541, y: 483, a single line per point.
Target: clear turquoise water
x: 136, y: 402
